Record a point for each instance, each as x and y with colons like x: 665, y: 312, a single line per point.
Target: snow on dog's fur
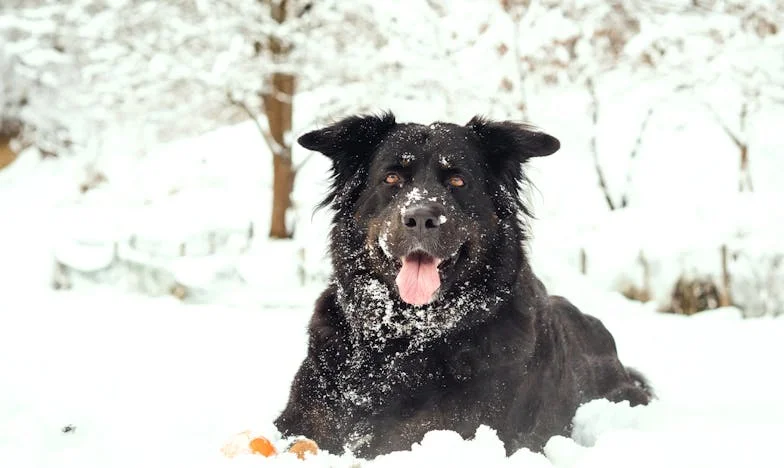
x: 433, y: 318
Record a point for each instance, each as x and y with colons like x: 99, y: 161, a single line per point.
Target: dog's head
x: 426, y: 201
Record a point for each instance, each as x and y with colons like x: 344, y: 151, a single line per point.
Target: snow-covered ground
x: 154, y: 381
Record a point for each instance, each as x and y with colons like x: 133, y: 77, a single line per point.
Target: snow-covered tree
x: 360, y: 55
x: 32, y: 77
x: 82, y: 68
x: 183, y: 66
x: 95, y: 63
x: 10, y: 103
x: 731, y: 61
x: 703, y: 47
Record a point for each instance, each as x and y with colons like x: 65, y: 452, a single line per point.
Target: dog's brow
x: 395, y: 166
x: 406, y: 159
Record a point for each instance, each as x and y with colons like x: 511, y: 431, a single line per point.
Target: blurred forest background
x: 150, y: 144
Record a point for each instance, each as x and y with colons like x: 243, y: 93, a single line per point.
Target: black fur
x: 492, y: 347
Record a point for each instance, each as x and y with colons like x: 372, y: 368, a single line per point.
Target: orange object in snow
x: 262, y: 446
x: 248, y: 443
x: 303, y: 446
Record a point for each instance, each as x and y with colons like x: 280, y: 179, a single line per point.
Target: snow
x: 414, y: 195
x: 407, y: 158
x: 153, y: 381
x: 148, y: 380
x: 389, y: 320
x: 85, y: 257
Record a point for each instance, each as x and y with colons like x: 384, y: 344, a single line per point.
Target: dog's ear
x: 351, y: 137
x: 512, y: 141
x: 349, y: 143
x: 507, y: 146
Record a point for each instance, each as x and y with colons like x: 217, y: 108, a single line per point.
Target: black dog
x: 434, y: 319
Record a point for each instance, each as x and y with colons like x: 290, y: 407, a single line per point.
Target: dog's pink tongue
x: 418, y: 280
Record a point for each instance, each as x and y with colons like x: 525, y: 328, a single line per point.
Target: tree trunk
x: 743, y: 147
x: 277, y: 106
x: 745, y: 174
x: 277, y: 101
x: 725, y: 298
x: 7, y: 155
x: 282, y: 186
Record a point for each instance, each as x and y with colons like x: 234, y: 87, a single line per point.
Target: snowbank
x: 154, y: 382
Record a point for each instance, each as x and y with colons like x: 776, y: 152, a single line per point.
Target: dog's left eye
x: 392, y: 178
x: 456, y: 181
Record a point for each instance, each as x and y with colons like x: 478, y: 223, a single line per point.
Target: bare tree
x: 740, y: 140
x: 755, y: 92
x: 599, y: 39
x: 743, y: 60
x: 308, y: 45
x: 593, y: 47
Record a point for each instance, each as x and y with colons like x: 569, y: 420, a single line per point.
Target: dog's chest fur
x: 403, y: 384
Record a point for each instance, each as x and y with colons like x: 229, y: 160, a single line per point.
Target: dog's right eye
x: 392, y: 179
x: 456, y: 181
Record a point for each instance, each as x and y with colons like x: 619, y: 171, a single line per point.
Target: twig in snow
x: 633, y: 155
x: 273, y: 145
x: 594, y: 151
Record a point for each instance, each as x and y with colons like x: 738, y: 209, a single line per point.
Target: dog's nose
x: 423, y: 218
